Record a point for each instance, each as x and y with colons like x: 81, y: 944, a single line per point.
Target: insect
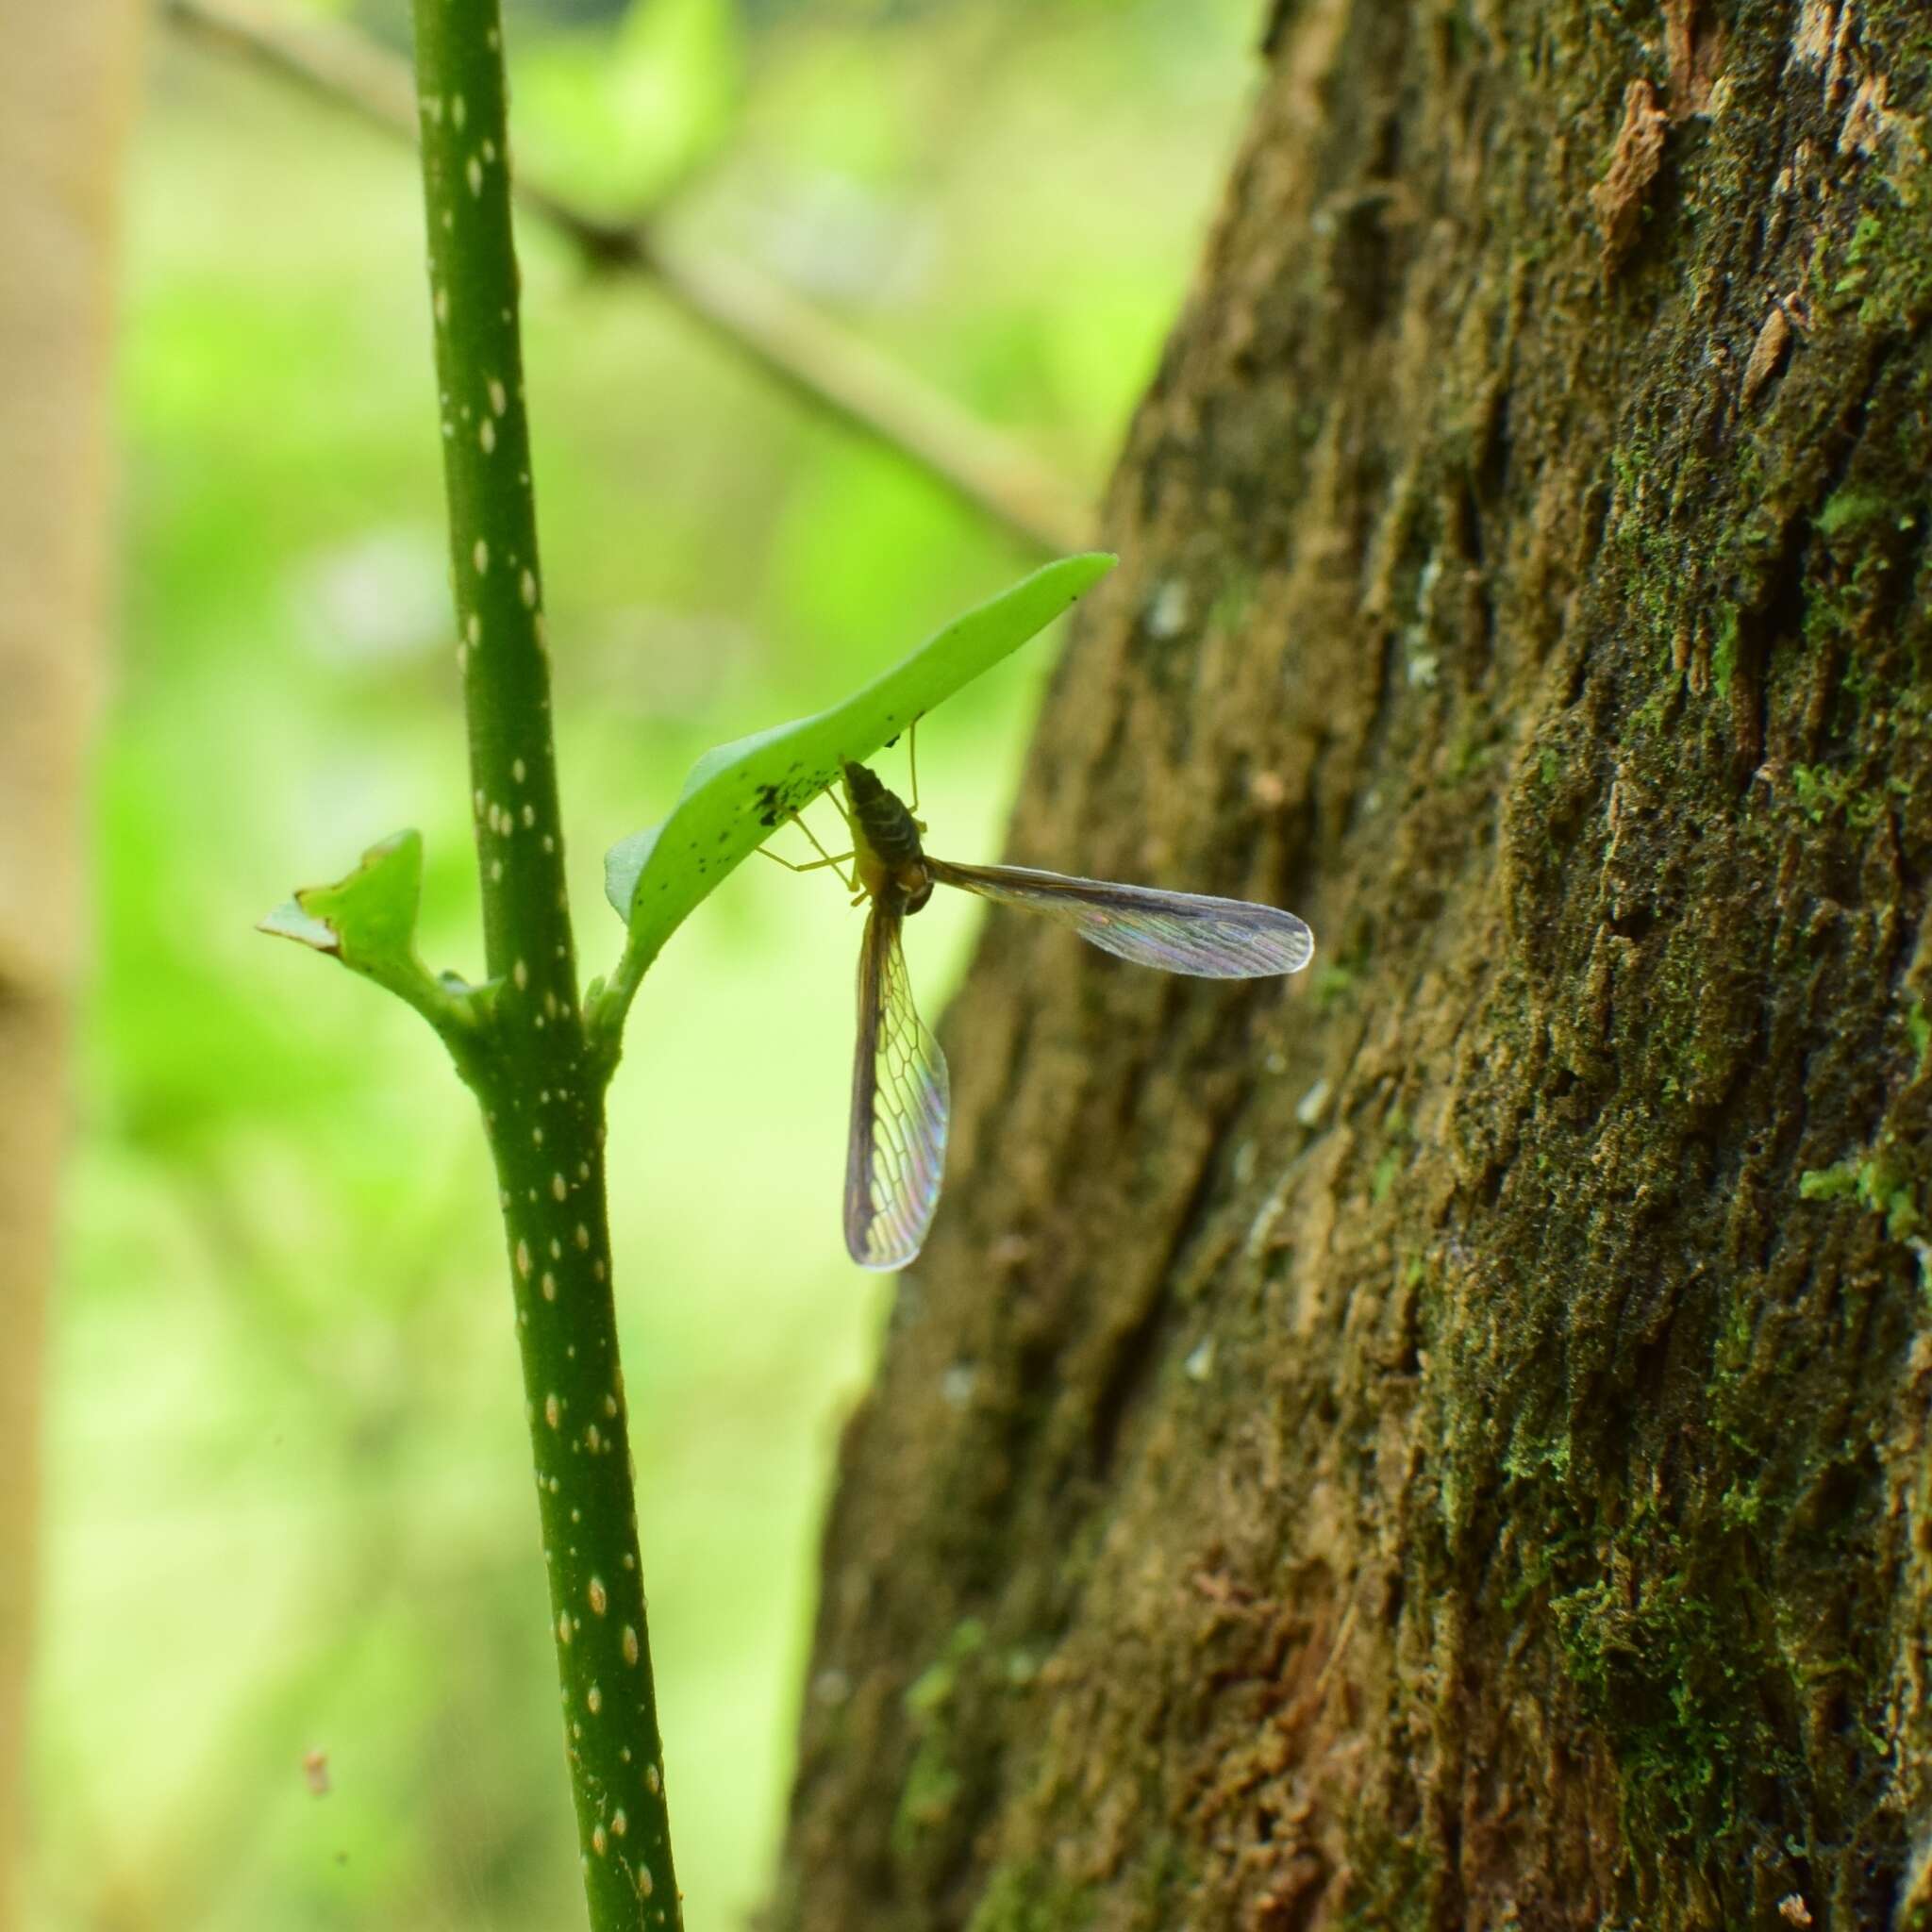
x: 896, y: 1150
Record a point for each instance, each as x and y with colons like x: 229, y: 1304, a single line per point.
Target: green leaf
x: 738, y: 794
x: 367, y: 922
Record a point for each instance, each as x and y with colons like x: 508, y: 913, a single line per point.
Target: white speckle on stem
x: 517, y: 770
x: 549, y: 1286
x: 553, y: 1412
x: 474, y: 172
x: 563, y: 1631
x: 599, y: 1602
x: 443, y: 305
x: 459, y: 110
x: 594, y: 1701
x: 474, y: 628
x: 486, y: 436
x: 528, y: 587
x: 529, y: 816
x: 523, y: 1259
x: 520, y: 973
x: 559, y: 1186
x: 480, y: 557
x: 631, y: 1650
x: 619, y: 1823
x: 583, y: 1236
x: 499, y: 397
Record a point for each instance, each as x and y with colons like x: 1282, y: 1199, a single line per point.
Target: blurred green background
x: 288, y: 1506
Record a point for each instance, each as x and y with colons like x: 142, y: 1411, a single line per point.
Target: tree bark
x: 66, y: 90
x: 1443, y: 1442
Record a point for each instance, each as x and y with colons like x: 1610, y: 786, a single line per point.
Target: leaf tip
x: 289, y: 921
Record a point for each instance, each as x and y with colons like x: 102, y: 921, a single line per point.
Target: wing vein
x: 897, y: 1148
x: 1176, y: 932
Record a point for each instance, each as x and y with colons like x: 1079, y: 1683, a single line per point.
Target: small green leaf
x: 367, y: 922
x: 739, y: 793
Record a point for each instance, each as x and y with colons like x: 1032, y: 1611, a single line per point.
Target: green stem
x: 609, y: 1004
x: 537, y: 1076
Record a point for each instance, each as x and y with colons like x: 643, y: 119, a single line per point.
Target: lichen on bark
x: 1445, y: 1444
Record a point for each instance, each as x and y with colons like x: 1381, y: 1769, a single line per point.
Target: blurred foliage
x: 288, y: 1504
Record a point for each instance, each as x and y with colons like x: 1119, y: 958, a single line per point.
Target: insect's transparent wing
x: 899, y: 1105
x: 1179, y: 932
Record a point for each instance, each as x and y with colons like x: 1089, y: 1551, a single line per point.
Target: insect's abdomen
x: 887, y: 826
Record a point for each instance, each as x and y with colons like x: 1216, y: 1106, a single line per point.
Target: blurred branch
x: 66, y: 100
x: 823, y: 364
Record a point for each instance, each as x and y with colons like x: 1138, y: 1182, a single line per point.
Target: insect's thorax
x: 886, y: 851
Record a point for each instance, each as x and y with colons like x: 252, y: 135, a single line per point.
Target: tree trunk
x: 1443, y: 1442
x: 65, y: 95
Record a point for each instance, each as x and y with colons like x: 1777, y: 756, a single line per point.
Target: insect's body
x: 885, y: 850
x: 900, y: 1094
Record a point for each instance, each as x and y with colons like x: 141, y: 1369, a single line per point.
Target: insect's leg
x: 912, y: 762
x: 810, y: 864
x: 838, y: 805
x: 835, y: 862
x: 824, y: 859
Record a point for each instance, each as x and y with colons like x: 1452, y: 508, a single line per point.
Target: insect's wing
x: 1179, y: 932
x: 899, y: 1105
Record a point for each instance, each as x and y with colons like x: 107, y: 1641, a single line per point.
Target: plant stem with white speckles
x: 540, y: 1084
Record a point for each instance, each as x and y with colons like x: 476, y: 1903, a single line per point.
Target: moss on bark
x: 1443, y: 1444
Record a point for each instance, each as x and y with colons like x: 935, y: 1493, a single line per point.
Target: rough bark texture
x: 1443, y: 1444
x: 65, y: 99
